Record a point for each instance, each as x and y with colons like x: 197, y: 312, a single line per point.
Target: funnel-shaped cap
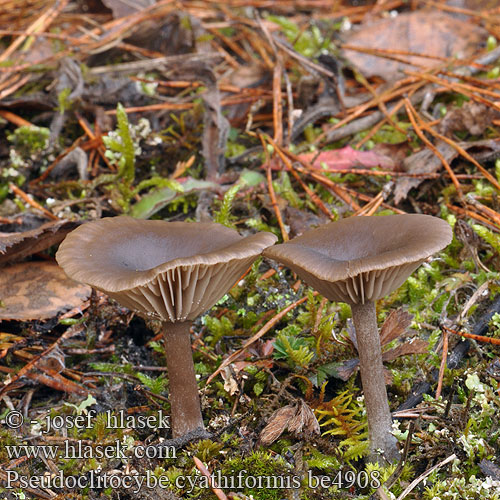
x: 173, y: 271
x: 362, y: 259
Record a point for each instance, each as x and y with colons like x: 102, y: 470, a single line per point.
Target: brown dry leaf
x: 395, y: 325
x: 473, y: 116
x: 216, y: 126
x: 122, y: 8
x: 304, y: 421
x: 38, y: 290
x: 413, y: 346
x: 230, y: 384
x: 431, y: 33
x: 17, y: 246
x: 425, y: 161
x: 277, y: 424
x: 299, y: 419
x: 301, y: 220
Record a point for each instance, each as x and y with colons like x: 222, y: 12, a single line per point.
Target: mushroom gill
x: 358, y: 261
x: 171, y: 271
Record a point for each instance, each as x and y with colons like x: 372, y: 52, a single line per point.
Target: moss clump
x: 260, y: 474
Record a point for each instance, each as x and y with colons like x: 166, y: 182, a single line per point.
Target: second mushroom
x: 358, y: 261
x: 171, y: 271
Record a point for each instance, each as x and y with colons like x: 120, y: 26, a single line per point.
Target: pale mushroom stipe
x: 171, y: 271
x: 358, y: 261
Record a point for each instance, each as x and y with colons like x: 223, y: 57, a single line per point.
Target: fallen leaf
x: 413, y: 346
x: 298, y: 418
x: 216, y: 126
x: 17, y: 246
x: 230, y: 384
x: 426, y: 32
x: 488, y: 468
x: 38, y: 290
x: 425, y: 161
x: 277, y: 424
x: 302, y: 220
x: 157, y: 199
x: 304, y: 421
x: 395, y: 325
x: 474, y: 117
x: 122, y: 8
x: 338, y: 159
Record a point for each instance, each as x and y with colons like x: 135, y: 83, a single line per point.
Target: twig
x: 444, y: 358
x: 424, y: 475
x: 272, y: 195
x: 19, y: 192
x: 257, y: 336
x: 478, y: 338
x: 277, y: 104
x: 15, y: 119
x: 218, y: 492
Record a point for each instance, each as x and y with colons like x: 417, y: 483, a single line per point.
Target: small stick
x: 467, y: 90
x: 19, y: 192
x: 466, y: 155
x: 478, y: 338
x: 444, y: 358
x: 424, y: 475
x: 473, y: 215
x: 314, y: 197
x: 277, y: 104
x: 15, y: 119
x: 218, y: 492
x: 272, y: 195
x: 486, y: 211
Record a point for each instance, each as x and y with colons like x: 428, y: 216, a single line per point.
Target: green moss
x: 263, y: 468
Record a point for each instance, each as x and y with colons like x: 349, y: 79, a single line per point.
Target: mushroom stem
x: 184, y: 397
x: 372, y: 377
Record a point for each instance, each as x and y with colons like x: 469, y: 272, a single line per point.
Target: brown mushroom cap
x: 362, y: 259
x: 170, y: 270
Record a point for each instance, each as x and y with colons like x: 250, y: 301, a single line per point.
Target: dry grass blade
x: 420, y: 478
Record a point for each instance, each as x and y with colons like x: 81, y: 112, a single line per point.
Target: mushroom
x: 171, y: 271
x: 357, y: 261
